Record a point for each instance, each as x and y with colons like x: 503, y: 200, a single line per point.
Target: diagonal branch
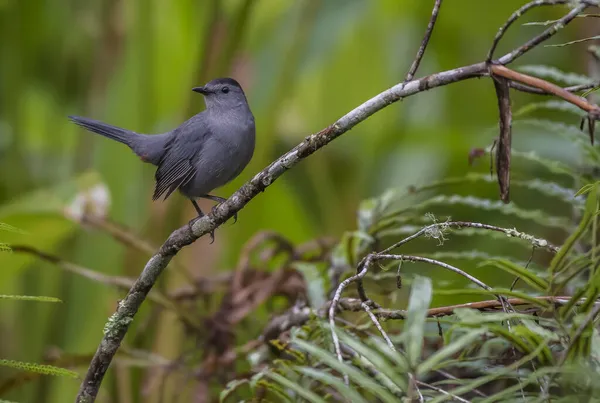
x: 533, y: 90
x: 545, y: 86
x: 415, y: 64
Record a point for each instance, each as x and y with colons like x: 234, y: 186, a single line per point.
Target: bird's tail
x: 112, y: 132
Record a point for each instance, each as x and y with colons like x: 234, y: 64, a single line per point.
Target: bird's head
x: 222, y: 93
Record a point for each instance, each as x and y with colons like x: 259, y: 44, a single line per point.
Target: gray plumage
x: 204, y: 153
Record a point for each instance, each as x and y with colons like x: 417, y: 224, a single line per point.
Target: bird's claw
x: 214, y: 211
x: 211, y: 233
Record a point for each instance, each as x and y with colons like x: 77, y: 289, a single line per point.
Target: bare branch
x: 515, y: 16
x: 355, y: 305
x: 538, y: 91
x: 128, y: 238
x: 446, y: 266
x: 546, y: 86
x: 505, y: 137
x: 333, y: 307
x: 442, y: 391
x: 511, y: 232
x: 373, y: 318
x: 415, y: 64
x: 119, y: 282
x: 549, y: 32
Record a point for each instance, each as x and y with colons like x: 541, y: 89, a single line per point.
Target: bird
x: 204, y: 153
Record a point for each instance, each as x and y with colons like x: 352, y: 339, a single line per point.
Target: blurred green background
x: 303, y: 64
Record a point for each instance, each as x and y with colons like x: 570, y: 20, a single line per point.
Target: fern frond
x: 38, y: 368
x: 30, y: 298
x: 555, y: 74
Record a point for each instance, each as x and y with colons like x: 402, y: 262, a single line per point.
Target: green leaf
x: 10, y: 228
x: 555, y: 74
x: 414, y: 327
x: 482, y: 380
x: 497, y: 206
x: 30, y: 298
x: 38, y: 368
x: 568, y: 132
x: 590, y: 91
x: 286, y: 383
x: 557, y: 45
x: 394, y: 373
x: 587, y: 188
x: 315, y: 282
x: 356, y: 376
x: 495, y: 291
x: 449, y: 350
x: 553, y: 105
x: 230, y: 388
x: 469, y: 317
x: 559, y: 261
x: 553, y: 166
x: 325, y: 378
x: 521, y: 272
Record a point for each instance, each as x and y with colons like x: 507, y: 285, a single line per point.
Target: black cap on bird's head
x: 222, y: 91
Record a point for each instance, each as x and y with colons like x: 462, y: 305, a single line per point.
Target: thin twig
x: 387, y: 339
x: 455, y: 397
x: 446, y: 266
x: 415, y: 64
x: 547, y: 86
x: 365, y: 266
x: 588, y: 319
x: 538, y: 91
x: 515, y: 16
x: 413, y: 385
x: 128, y: 238
x: 119, y: 282
x: 355, y: 305
x: 122, y: 283
x: 563, y: 358
x: 450, y: 376
x: 549, y: 32
x: 333, y: 307
x: 511, y: 232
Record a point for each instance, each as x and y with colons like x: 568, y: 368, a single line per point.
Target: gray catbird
x: 204, y: 153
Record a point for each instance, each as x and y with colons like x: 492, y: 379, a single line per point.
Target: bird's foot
x: 219, y: 200
x: 211, y: 233
x: 214, y: 211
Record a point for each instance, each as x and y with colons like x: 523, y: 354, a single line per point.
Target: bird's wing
x: 176, y: 167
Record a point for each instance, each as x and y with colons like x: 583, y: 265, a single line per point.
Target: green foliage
x: 30, y: 298
x: 38, y: 368
x: 303, y: 65
x: 26, y: 366
x: 552, y: 73
x: 501, y: 354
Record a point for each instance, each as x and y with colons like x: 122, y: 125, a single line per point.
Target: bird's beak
x: 201, y: 90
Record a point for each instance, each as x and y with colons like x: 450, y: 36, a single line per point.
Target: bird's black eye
x: 225, y: 90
